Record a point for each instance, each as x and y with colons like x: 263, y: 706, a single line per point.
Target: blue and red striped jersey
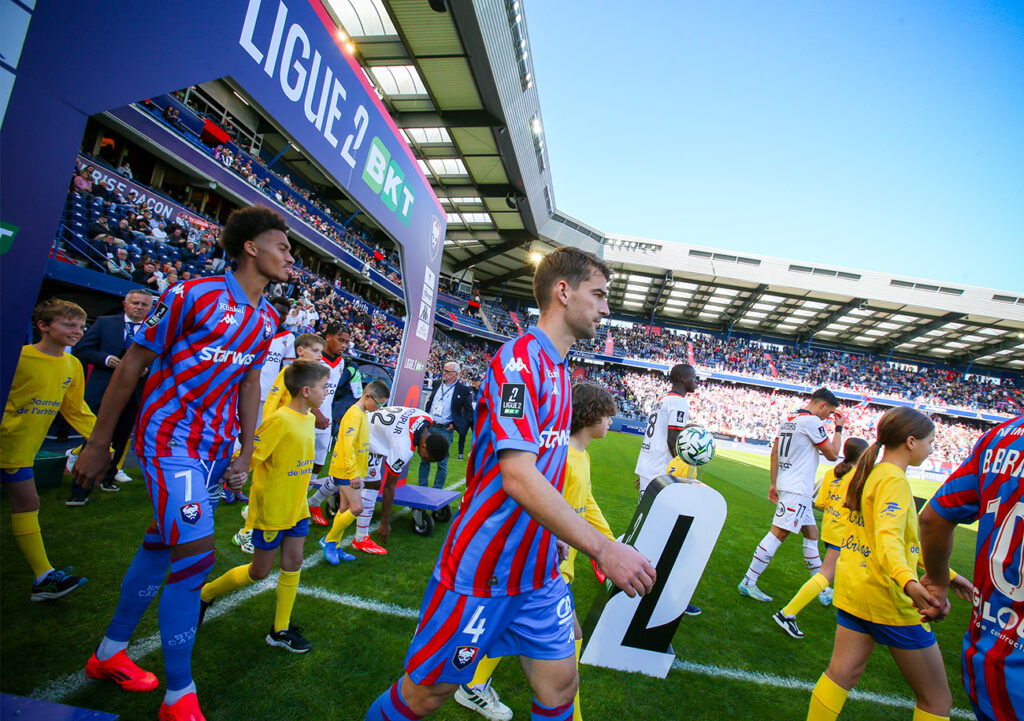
x: 987, y: 488
x: 494, y: 548
x: 207, y: 336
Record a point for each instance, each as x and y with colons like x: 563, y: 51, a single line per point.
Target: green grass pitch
x: 734, y: 662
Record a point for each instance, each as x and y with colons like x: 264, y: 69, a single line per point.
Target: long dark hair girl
x: 894, y: 428
x: 852, y: 451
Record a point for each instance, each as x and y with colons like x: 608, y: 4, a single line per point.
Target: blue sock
x: 179, y: 615
x: 541, y: 712
x: 140, y: 585
x: 390, y: 706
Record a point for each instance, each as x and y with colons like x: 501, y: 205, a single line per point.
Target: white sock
x: 109, y: 648
x: 811, y: 556
x: 762, y: 557
x: 172, y: 697
x: 369, y: 496
x: 327, y: 488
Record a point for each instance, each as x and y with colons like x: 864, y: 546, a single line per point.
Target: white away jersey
x: 799, y: 437
x: 391, y: 432
x: 670, y: 412
x: 282, y: 348
x: 335, y: 368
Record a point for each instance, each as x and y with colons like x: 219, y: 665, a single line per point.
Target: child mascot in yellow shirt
x: 592, y: 412
x: 282, y: 461
x: 830, y: 499
x: 46, y: 381
x: 878, y: 596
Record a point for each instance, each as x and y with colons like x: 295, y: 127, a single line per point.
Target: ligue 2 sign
x: 676, y: 525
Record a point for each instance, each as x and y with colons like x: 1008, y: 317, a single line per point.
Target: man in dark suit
x: 102, y: 347
x: 451, y: 406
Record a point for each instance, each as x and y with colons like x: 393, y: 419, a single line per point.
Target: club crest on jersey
x: 464, y: 655
x: 513, y: 397
x: 191, y: 513
x: 516, y: 365
x: 268, y: 331
x: 435, y: 236
x: 157, y: 315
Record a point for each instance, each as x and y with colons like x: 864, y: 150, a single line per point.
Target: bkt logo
x: 386, y: 177
x: 553, y: 439
x: 218, y: 354
x: 516, y: 365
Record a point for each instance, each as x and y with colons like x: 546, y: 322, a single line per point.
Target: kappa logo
x: 178, y: 290
x: 516, y: 365
x: 66, y: 383
x: 891, y: 509
x: 464, y: 655
x: 229, y: 319
x: 191, y: 513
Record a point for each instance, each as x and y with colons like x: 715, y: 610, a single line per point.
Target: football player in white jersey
x: 396, y: 432
x: 794, y: 464
x: 281, y: 353
x: 669, y: 415
x: 334, y: 360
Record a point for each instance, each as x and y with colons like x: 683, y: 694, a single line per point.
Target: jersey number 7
x: 676, y: 525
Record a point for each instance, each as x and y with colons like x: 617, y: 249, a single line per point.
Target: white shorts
x: 323, y: 442
x: 793, y: 512
x: 644, y: 482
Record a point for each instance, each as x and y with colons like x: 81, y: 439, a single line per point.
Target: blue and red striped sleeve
x: 511, y: 389
x: 959, y: 498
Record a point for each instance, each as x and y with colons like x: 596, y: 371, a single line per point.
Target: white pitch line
x: 345, y: 599
x: 59, y: 689
x: 795, y: 684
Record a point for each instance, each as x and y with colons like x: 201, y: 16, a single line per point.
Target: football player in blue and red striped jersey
x: 204, y: 344
x: 496, y: 588
x: 987, y: 488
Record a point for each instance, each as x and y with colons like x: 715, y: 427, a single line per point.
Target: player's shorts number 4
x: 676, y: 525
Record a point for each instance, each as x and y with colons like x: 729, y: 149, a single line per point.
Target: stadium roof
x: 460, y: 85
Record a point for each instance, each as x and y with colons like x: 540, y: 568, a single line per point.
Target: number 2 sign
x: 676, y: 525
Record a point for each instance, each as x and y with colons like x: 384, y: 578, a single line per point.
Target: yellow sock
x: 124, y: 454
x: 341, y: 522
x: 920, y: 715
x: 827, y: 700
x: 233, y: 579
x: 576, y: 714
x: 484, y: 670
x: 287, y: 589
x: 25, y: 527
x: 814, y: 585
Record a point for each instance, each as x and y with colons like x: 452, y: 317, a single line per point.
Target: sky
x: 884, y: 136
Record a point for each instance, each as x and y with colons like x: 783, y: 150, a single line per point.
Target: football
x: 695, y: 445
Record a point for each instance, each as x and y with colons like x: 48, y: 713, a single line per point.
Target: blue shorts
x: 269, y: 540
x: 907, y: 637
x: 339, y: 482
x: 455, y: 631
x: 832, y: 546
x: 184, y: 493
x: 13, y: 475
